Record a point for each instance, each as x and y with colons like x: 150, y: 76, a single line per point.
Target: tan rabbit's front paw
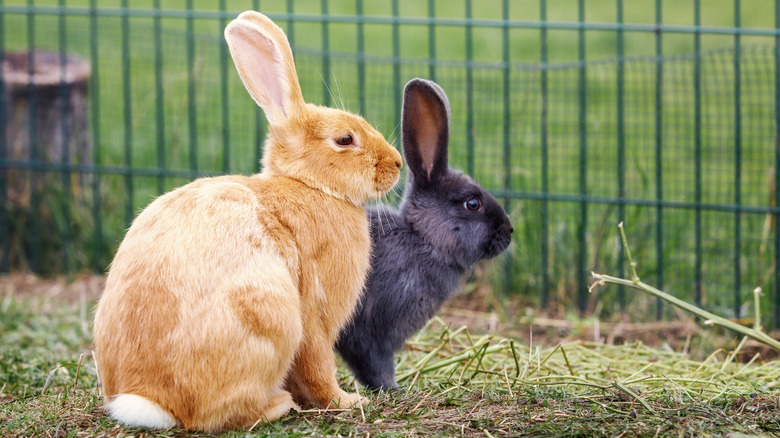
x: 344, y: 400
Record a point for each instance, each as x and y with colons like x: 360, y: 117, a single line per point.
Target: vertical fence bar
x: 507, y: 128
x: 432, y: 40
x: 737, y: 163
x: 396, y: 65
x: 191, y: 100
x: 290, y: 31
x: 94, y: 98
x: 259, y: 120
x: 35, y: 200
x: 223, y: 75
x: 659, y: 125
x: 621, y: 146
x: 159, y: 98
x: 361, y: 36
x: 469, y: 91
x: 5, y: 231
x: 65, y: 175
x: 361, y: 47
x: 697, y: 148
x: 582, y: 287
x: 326, y: 98
x: 777, y: 163
x: 545, y: 158
x: 507, y: 118
x: 128, y: 115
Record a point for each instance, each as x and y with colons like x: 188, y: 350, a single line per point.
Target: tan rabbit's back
x: 196, y: 262
x: 225, y: 298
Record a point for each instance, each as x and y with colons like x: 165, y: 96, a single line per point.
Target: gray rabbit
x: 445, y: 224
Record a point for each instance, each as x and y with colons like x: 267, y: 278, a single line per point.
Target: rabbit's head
x: 328, y: 149
x: 448, y: 209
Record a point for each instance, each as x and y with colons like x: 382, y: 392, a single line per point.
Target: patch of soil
x: 83, y: 286
x: 551, y: 330
x: 482, y: 312
x: 479, y: 310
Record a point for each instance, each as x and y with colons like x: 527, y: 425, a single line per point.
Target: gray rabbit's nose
x: 507, y: 226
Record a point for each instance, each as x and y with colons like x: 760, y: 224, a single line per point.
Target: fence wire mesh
x: 682, y: 147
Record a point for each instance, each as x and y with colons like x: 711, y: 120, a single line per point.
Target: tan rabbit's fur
x: 224, y: 300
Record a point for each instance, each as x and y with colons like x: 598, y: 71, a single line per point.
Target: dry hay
x: 440, y: 356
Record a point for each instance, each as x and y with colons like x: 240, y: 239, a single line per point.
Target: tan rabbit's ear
x: 265, y: 64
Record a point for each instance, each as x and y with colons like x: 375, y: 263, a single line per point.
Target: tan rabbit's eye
x: 472, y: 204
x: 345, y: 140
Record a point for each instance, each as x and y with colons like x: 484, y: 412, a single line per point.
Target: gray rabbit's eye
x: 344, y: 141
x: 472, y: 204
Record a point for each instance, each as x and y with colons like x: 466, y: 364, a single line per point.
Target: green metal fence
x: 663, y: 115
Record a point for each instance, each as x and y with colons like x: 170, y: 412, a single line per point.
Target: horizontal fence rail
x: 576, y: 117
x: 367, y: 19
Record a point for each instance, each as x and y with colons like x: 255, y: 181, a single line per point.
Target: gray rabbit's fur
x: 446, y: 223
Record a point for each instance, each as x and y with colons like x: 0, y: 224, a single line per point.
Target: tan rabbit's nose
x: 396, y: 156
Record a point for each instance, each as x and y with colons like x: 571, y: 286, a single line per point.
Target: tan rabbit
x: 226, y: 296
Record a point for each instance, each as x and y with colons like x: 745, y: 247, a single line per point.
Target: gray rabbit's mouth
x: 501, y: 240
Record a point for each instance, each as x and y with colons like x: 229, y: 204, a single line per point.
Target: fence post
x: 545, y: 158
x: 777, y: 163
x: 259, y: 120
x: 326, y: 98
x: 737, y: 164
x: 35, y: 199
x: 697, y: 147
x: 469, y: 92
x: 361, y: 56
x: 290, y: 31
x: 5, y: 232
x: 223, y: 75
x: 582, y: 287
x: 432, y: 40
x: 128, y: 115
x: 67, y: 197
x: 621, y: 148
x: 159, y: 97
x: 509, y: 283
x: 396, y: 65
x: 94, y: 95
x: 192, y: 116
x: 659, y: 193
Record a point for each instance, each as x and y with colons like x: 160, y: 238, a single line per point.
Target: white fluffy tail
x: 136, y: 411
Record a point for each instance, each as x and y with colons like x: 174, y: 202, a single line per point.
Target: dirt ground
x: 473, y: 310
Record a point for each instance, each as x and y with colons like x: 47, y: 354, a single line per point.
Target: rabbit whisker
x: 381, y: 221
x: 335, y: 100
x: 342, y: 102
x: 395, y: 134
x: 481, y: 255
x: 386, y: 211
x: 379, y: 211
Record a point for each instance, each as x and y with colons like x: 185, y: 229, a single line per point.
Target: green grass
x: 120, y: 199
x: 455, y: 383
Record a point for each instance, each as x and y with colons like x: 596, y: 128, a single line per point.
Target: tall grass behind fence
x: 662, y: 115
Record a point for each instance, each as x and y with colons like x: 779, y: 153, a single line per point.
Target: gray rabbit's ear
x: 425, y: 130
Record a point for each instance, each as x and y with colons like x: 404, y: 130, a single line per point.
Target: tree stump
x: 46, y: 96
x: 46, y: 113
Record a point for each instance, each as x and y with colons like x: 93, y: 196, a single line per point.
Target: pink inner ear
x: 260, y: 66
x: 427, y: 132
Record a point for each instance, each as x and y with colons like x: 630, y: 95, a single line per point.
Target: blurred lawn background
x: 562, y: 127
